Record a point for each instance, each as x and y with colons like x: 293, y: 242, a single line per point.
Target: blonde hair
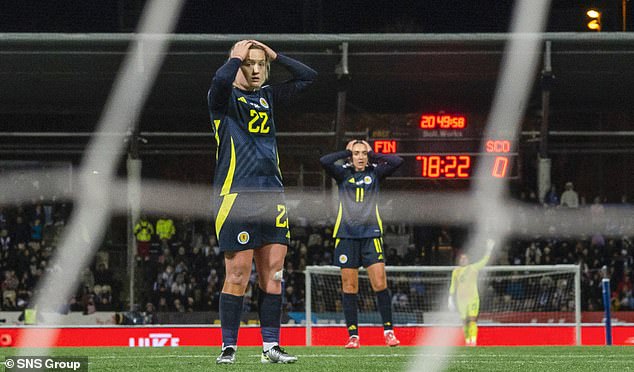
x: 266, y: 58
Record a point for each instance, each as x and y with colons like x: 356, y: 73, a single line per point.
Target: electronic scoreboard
x: 446, y: 147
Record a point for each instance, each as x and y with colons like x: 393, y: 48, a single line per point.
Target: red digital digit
x: 434, y: 166
x: 423, y: 165
x: 464, y: 166
x: 428, y: 121
x: 444, y: 121
x: 461, y: 122
x: 500, y: 166
x: 450, y: 166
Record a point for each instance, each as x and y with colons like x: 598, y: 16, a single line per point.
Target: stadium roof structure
x: 388, y: 72
x: 60, y: 82
x: 53, y: 88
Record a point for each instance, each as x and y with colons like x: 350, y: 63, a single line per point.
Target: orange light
x: 595, y: 20
x: 593, y: 13
x: 594, y: 25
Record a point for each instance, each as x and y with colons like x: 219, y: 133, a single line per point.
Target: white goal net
x: 510, y: 295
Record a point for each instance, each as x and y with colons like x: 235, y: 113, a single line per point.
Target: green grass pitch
x: 317, y: 359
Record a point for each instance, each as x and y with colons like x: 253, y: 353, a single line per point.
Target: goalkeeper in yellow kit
x: 464, y: 287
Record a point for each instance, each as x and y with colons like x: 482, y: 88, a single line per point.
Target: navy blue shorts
x: 250, y: 220
x: 354, y: 253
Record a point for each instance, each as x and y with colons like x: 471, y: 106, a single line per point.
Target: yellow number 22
x: 258, y: 121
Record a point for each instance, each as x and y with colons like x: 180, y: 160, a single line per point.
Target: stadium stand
x: 185, y: 274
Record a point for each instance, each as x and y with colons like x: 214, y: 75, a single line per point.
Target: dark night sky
x: 297, y: 16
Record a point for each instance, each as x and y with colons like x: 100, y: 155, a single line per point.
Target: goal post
x: 510, y: 295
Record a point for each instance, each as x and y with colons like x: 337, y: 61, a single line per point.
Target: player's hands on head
x: 241, y: 49
x: 367, y: 145
x: 350, y: 144
x: 269, y: 52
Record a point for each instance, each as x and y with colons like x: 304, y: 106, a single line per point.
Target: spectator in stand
x: 533, y: 254
x: 90, y: 307
x: 294, y: 299
x: 165, y: 230
x: 143, y: 232
x: 211, y: 297
x: 160, y: 292
x: 545, y: 293
x: 547, y: 258
x: 150, y: 316
x: 400, y: 299
x: 179, y: 287
x: 9, y: 286
x: 166, y: 277
x: 48, y: 213
x: 24, y: 259
x: 36, y: 230
x: 182, y: 257
x: 551, y: 199
x: 105, y: 299
x: 87, y: 278
x: 38, y: 213
x: 623, y: 293
x: 393, y: 258
x: 198, y: 265
x: 190, y: 306
x: 3, y: 219
x: 194, y: 291
x: 166, y: 258
x: 5, y: 241
x: 103, y: 275
x: 22, y: 230
x: 177, y: 305
x: 569, y: 198
x: 162, y: 305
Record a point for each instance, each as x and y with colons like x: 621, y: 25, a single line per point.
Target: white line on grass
x: 598, y: 358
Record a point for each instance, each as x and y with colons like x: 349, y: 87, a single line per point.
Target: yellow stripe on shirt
x: 338, y: 222
x: 226, y: 185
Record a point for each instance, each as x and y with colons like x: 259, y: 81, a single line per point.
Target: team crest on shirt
x: 343, y: 258
x: 367, y: 180
x: 264, y: 103
x: 243, y: 237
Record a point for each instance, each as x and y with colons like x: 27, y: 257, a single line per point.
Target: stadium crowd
x: 181, y: 267
x: 29, y: 235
